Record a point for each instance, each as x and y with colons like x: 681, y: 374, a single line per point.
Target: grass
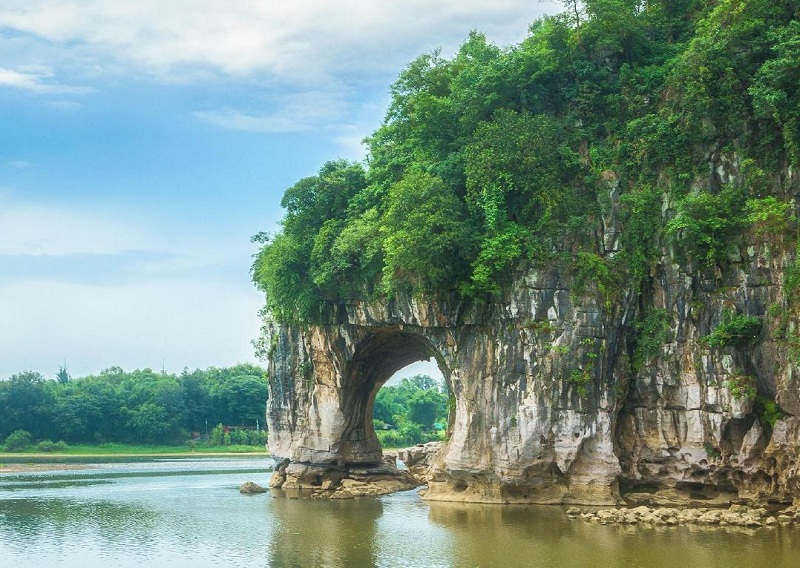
x: 133, y: 450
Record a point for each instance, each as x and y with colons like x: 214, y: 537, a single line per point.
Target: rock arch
x: 517, y: 435
x: 381, y: 354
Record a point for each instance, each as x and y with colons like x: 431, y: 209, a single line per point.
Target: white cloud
x: 35, y: 229
x: 302, y: 40
x: 64, y: 105
x: 297, y: 112
x: 35, y: 81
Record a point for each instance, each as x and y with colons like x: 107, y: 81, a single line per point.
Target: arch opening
x: 414, y: 407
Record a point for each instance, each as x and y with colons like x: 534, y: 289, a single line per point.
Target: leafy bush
x: 652, y: 332
x: 217, y: 436
x: 18, y: 440
x: 742, y: 387
x: 50, y: 446
x: 708, y: 226
x: 737, y: 330
x: 768, y: 410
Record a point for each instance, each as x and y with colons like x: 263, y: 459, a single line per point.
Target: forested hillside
x: 501, y: 159
x: 142, y: 406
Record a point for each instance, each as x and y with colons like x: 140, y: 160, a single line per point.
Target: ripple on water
x: 191, y: 514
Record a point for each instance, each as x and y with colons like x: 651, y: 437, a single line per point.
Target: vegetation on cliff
x: 497, y: 160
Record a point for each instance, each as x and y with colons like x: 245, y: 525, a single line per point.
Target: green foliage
x: 776, y: 88
x: 737, y: 330
x: 50, y: 446
x: 140, y: 406
x: 62, y: 376
x: 791, y: 282
x: 652, y: 331
x: 18, y: 440
x: 496, y: 160
x: 768, y: 411
x: 581, y: 379
x: 742, y: 387
x: 412, y: 412
x: 707, y: 226
x: 217, y: 435
x: 592, y: 269
x: 425, y: 239
x: 769, y: 216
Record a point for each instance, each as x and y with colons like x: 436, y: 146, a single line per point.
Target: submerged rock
x: 250, y: 488
x: 735, y: 516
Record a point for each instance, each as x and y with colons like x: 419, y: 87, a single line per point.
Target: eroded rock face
x: 533, y: 381
x: 550, y: 405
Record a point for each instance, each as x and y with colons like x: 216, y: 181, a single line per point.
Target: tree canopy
x: 499, y: 159
x: 141, y: 406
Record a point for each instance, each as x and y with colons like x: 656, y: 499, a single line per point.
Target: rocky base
x: 734, y: 516
x: 419, y: 459
x: 347, y: 482
x: 481, y: 489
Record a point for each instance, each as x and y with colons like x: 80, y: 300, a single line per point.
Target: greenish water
x: 188, y: 513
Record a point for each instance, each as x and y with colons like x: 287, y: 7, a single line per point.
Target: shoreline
x: 21, y: 461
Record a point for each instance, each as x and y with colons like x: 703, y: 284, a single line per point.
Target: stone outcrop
x: 419, y: 459
x: 346, y: 482
x: 552, y: 404
x: 735, y: 516
x: 251, y: 488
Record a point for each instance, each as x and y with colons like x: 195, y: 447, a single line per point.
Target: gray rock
x: 548, y: 405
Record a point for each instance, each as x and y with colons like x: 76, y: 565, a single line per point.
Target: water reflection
x: 323, y: 533
x: 192, y: 515
x: 543, y: 536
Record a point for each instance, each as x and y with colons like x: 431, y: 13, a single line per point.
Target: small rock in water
x: 249, y: 488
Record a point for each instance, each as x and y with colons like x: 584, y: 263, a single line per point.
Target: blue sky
x: 144, y: 142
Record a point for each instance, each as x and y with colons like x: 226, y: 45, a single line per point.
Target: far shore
x: 76, y: 457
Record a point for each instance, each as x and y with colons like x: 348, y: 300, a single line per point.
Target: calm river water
x: 189, y: 513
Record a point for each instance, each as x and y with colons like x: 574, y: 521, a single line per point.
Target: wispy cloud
x: 295, y: 112
x: 36, y: 82
x: 232, y: 119
x: 18, y: 164
x: 29, y: 228
x: 64, y: 105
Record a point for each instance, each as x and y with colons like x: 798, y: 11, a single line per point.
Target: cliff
x: 560, y: 395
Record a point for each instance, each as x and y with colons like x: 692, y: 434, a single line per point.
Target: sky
x: 144, y: 142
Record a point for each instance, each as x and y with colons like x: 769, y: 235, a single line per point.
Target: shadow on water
x: 323, y: 533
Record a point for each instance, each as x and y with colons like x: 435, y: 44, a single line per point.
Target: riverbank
x: 118, y: 452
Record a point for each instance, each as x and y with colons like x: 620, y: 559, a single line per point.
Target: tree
x: 18, y: 440
x: 62, y: 376
x: 423, y: 408
x: 426, y: 237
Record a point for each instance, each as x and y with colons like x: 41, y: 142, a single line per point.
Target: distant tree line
x: 413, y: 412
x: 141, y: 406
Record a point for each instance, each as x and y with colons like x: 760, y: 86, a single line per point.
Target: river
x: 188, y: 513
